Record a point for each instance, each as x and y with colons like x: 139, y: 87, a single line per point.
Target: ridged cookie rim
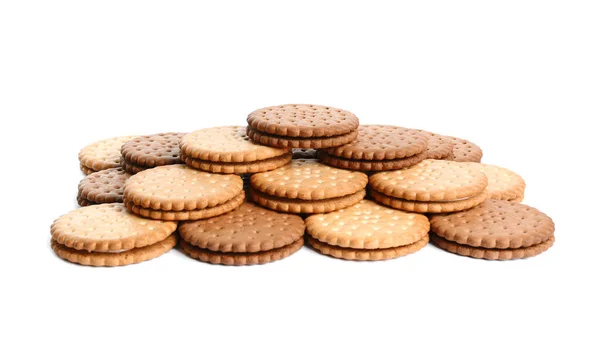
x: 429, y: 207
x: 357, y: 254
x: 303, y: 143
x: 238, y: 167
x: 375, y: 165
x: 299, y: 206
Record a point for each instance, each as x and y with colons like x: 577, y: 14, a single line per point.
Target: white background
x: 520, y: 78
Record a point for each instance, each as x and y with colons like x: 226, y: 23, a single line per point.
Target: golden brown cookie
x: 299, y: 206
x: 103, y: 154
x: 108, y: 228
x: 150, y: 151
x: 465, y: 151
x: 368, y: 226
x: 371, y: 165
x: 302, y: 120
x: 439, y: 147
x: 239, y: 167
x: 355, y: 254
x: 304, y: 153
x: 503, y: 183
x: 431, y: 180
x: 85, y: 170
x: 307, y: 143
x: 429, y: 207
x: 104, y: 186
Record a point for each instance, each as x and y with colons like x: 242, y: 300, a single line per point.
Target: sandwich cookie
x: 439, y: 147
x: 495, y: 229
x: 378, y: 148
x: 302, y: 126
x: 503, y: 184
x: 464, y: 151
x: 307, y: 187
x: 104, y: 186
x: 244, y: 236
x: 431, y: 186
x: 108, y: 235
x: 149, y: 151
x: 179, y: 192
x: 230, y: 150
x: 102, y: 154
x: 367, y: 231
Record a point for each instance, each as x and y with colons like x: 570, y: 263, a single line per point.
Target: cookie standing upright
x: 431, y: 186
x: 247, y: 235
x: 378, y: 148
x: 308, y: 187
x: 495, y: 230
x: 108, y: 235
x: 179, y: 192
x: 102, y: 154
x: 367, y: 231
x: 229, y: 150
x: 149, y: 151
x: 104, y: 186
x: 302, y: 126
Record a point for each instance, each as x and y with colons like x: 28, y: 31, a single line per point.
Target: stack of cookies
x: 232, y: 192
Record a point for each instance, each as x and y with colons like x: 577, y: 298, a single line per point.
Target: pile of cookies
x: 254, y: 194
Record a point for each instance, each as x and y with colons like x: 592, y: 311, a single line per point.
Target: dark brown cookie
x: 104, y: 186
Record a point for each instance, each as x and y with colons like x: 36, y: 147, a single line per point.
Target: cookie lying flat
x: 179, y: 192
x: 378, y: 148
x: 108, y: 235
x: 464, y: 150
x: 495, y: 229
x: 102, y: 154
x: 149, y: 151
x: 104, y: 186
x: 503, y: 183
x: 367, y: 231
x: 302, y: 126
x: 246, y: 235
x: 230, y: 150
x: 314, y: 186
x: 439, y: 147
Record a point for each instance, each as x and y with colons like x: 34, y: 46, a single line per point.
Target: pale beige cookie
x: 439, y: 147
x: 108, y: 227
x: 239, y: 167
x: 239, y: 258
x: 180, y: 188
x: 303, y: 120
x: 226, y: 144
x: 356, y: 254
x: 103, y: 154
x: 381, y: 142
x: 492, y: 253
x: 152, y: 150
x: 112, y: 259
x: 299, y: 206
x: 431, y: 180
x: 85, y: 170
x: 306, y: 143
x: 197, y: 214
x: 371, y: 165
x: 104, y: 186
x: 367, y: 225
x: 465, y: 151
x: 503, y: 184
x: 429, y: 207
x: 308, y: 180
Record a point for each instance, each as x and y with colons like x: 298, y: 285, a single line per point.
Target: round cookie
x: 304, y: 153
x: 439, y: 147
x: 431, y: 180
x: 226, y: 144
x: 495, y: 224
x: 180, y: 188
x: 152, y: 150
x: 108, y: 227
x: 371, y: 165
x: 304, y: 121
x: 464, y: 150
x: 368, y: 225
x: 381, y: 142
x: 308, y: 180
x: 239, y: 167
x: 307, y: 143
x: 131, y: 168
x: 355, y: 254
x: 299, y: 206
x: 503, y: 183
x: 429, y: 207
x: 103, y: 154
x: 85, y: 170
x: 104, y: 186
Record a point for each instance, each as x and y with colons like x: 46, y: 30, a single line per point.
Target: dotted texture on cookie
x: 302, y: 120
x: 382, y: 142
x: 104, y: 186
x: 226, y: 144
x: 503, y: 183
x: 438, y: 146
x: 248, y: 228
x: 103, y: 154
x: 309, y: 180
x: 465, y: 151
x: 179, y: 187
x: 153, y: 150
x: 108, y: 227
x: 495, y: 224
x: 367, y: 225
x: 431, y: 180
